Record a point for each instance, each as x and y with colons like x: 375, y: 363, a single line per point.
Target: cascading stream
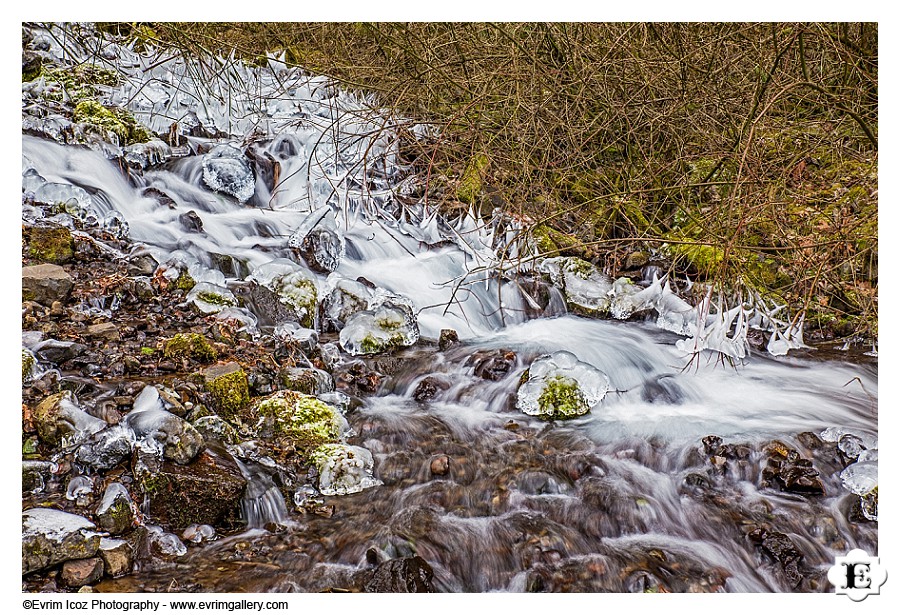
x: 623, y: 498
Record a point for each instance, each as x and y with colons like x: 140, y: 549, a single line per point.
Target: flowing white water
x: 335, y: 152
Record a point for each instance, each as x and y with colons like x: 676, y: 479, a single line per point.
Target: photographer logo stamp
x: 857, y: 575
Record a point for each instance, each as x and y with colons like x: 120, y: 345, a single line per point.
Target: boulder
x: 322, y: 249
x: 205, y: 491
x: 299, y: 423
x: 117, y: 556
x: 116, y: 512
x: 227, y: 170
x: 308, y: 380
x: 173, y: 436
x: 389, y: 326
x: 50, y: 537
x: 105, y: 331
x: 57, y: 351
x: 45, y: 284
x: 106, y: 449
x: 348, y: 297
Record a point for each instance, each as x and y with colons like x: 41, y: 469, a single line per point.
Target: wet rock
x: 56, y: 351
x: 105, y: 331
x: 429, y: 388
x: 106, y: 449
x: 322, y: 249
x: 191, y: 222
x: 228, y: 388
x: 308, y: 380
x: 216, y: 428
x: 790, y: 472
x: 343, y: 469
x: 293, y: 333
x: 45, y: 284
x: 266, y: 304
x: 559, y: 386
x: 77, y: 573
x: 448, y: 339
x: 189, y: 346
x: 227, y: 170
x: 294, y: 286
x: 356, y: 377
x: 403, y: 575
x: 440, y: 465
x: 116, y: 512
x: 206, y: 491
x: 493, y: 365
x: 165, y: 433
x: 51, y: 244
x: 117, y: 556
x: 51, y: 536
x: 387, y: 327
x: 142, y: 264
x: 57, y: 418
x: 781, y: 549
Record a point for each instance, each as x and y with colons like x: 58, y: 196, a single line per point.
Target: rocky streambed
x: 251, y: 361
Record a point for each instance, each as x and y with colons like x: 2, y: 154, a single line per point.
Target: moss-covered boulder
x: 50, y: 537
x: 189, y: 346
x: 113, y: 123
x: 206, y: 491
x: 299, y: 423
x: 115, y: 513
x: 228, y: 388
x: 51, y: 244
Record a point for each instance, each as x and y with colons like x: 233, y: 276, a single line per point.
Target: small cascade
x: 262, y: 503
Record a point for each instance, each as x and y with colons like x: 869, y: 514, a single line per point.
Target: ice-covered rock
x: 585, y: 287
x: 295, y: 288
x: 164, y: 543
x: 344, y: 469
x: 59, y: 420
x: 318, y: 241
x: 346, y: 298
x: 559, y: 386
x: 860, y: 477
x: 51, y: 536
x: 106, y: 449
x: 116, y: 512
x: 388, y: 326
x: 227, y: 170
x: 164, y: 433
x: 211, y: 298
x: 73, y: 200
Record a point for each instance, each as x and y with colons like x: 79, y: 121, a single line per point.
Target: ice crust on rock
x: 211, y: 298
x: 560, y: 386
x: 344, y: 469
x: 226, y: 170
x: 389, y: 325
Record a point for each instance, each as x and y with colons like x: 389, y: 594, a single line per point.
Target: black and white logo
x: 857, y: 575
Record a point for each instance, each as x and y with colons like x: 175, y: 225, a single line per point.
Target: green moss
x: 300, y: 294
x: 702, y: 258
x: 147, y: 351
x: 118, y: 121
x: 51, y: 244
x: 190, y: 346
x: 301, y: 421
x: 561, y: 399
x: 471, y: 181
x: 230, y: 392
x: 215, y: 299
x: 185, y: 281
x: 579, y: 267
x: 370, y: 345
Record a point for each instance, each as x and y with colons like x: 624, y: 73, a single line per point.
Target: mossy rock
x: 184, y: 281
x: 28, y: 363
x: 189, y: 346
x: 228, y: 388
x: 117, y: 121
x: 51, y: 244
x: 561, y: 399
x: 301, y: 423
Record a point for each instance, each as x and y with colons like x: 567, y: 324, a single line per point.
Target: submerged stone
x: 406, y: 575
x: 344, y: 469
x: 227, y: 170
x: 51, y: 536
x: 559, y: 386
